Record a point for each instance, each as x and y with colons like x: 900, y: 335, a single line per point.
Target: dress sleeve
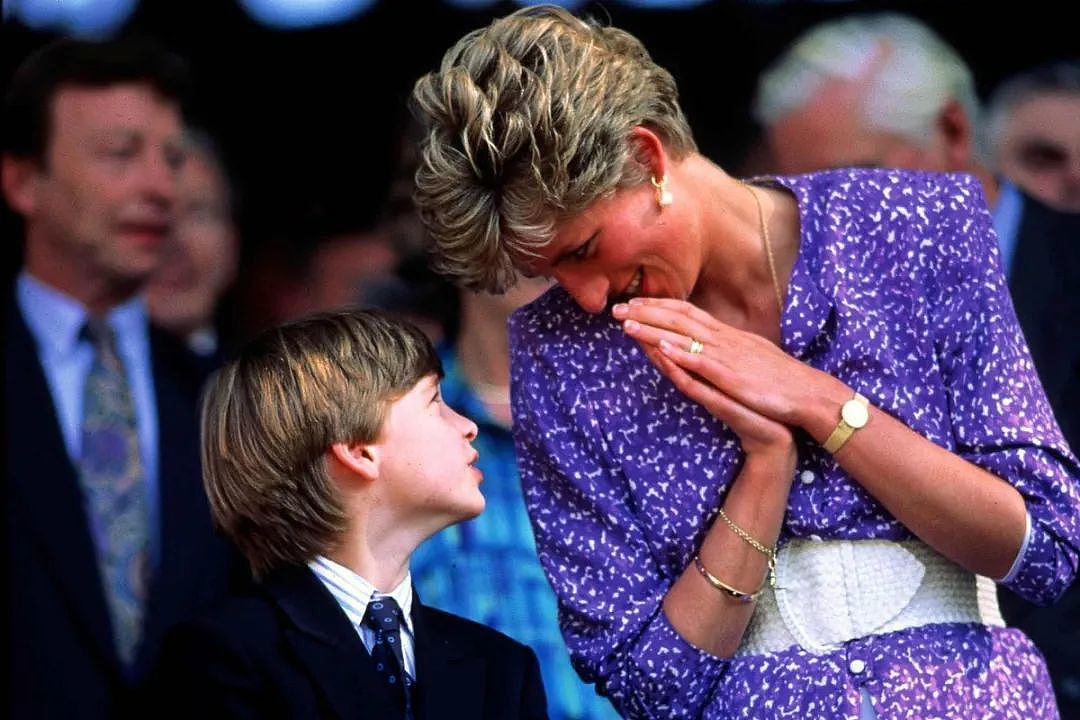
x: 595, y: 553
x: 1001, y: 418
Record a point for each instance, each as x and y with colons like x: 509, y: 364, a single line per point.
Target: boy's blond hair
x: 270, y: 415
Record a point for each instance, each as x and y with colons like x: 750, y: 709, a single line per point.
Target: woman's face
x: 622, y: 246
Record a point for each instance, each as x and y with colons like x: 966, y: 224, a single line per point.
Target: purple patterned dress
x: 898, y: 291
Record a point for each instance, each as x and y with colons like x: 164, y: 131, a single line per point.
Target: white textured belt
x: 829, y: 592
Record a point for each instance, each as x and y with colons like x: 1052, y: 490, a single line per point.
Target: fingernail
x: 637, y: 301
x: 620, y: 310
x: 630, y: 325
x: 665, y: 346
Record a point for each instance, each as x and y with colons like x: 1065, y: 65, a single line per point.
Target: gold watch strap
x: 843, y: 430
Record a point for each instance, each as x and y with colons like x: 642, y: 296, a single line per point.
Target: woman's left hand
x: 740, y: 364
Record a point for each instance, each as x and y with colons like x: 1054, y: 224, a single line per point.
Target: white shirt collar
x: 56, y: 319
x: 353, y: 592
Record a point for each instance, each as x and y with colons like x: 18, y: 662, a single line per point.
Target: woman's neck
x: 484, y: 355
x: 736, y: 284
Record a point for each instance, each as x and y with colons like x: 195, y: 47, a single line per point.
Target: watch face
x: 854, y: 413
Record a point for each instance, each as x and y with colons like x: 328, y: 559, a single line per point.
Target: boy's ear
x: 359, y: 458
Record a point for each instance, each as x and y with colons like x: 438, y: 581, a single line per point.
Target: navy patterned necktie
x: 384, y: 616
x: 114, y: 492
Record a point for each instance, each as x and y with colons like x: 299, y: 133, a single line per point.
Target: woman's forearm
x: 964, y: 512
x: 705, y: 616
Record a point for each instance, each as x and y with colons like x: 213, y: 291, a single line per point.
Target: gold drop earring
x: 663, y: 195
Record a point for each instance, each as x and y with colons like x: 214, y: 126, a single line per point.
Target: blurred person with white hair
x: 877, y: 90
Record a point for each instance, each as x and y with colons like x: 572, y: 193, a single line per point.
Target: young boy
x: 328, y: 456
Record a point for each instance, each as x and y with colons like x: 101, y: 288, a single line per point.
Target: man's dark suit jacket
x: 1044, y: 282
x: 61, y: 660
x: 1045, y: 286
x: 287, y: 650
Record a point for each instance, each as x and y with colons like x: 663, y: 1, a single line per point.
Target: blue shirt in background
x: 1006, y: 215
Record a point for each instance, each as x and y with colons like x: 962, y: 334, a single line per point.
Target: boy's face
x: 427, y: 461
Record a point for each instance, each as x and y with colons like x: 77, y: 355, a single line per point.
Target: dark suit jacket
x: 287, y: 650
x: 61, y: 660
x: 1044, y: 282
x: 1045, y: 285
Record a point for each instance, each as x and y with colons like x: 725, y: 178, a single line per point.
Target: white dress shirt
x: 353, y: 593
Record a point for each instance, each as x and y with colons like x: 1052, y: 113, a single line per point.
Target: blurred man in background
x: 875, y: 90
x: 109, y: 536
x: 1034, y: 126
x: 200, y: 262
x: 313, y: 263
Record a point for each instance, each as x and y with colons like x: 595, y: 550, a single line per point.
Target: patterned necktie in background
x: 114, y: 492
x: 384, y: 617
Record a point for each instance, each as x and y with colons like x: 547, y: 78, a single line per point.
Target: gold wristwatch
x: 853, y: 415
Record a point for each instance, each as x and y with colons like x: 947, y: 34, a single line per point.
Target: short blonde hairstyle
x: 270, y: 415
x: 527, y: 122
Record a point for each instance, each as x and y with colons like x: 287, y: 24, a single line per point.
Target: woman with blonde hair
x: 774, y: 435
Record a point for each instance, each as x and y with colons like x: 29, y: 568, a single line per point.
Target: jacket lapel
x: 43, y: 487
x: 185, y: 530
x: 1042, y: 282
x: 449, y: 674
x: 329, y: 646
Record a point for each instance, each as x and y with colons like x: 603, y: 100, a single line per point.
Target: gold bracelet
x: 769, y: 553
x: 723, y: 586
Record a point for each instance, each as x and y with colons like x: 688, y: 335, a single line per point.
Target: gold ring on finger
x: 696, y: 346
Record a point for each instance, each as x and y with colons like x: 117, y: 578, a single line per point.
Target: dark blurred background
x: 310, y: 119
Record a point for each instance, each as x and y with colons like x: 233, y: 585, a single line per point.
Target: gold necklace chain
x: 768, y: 249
